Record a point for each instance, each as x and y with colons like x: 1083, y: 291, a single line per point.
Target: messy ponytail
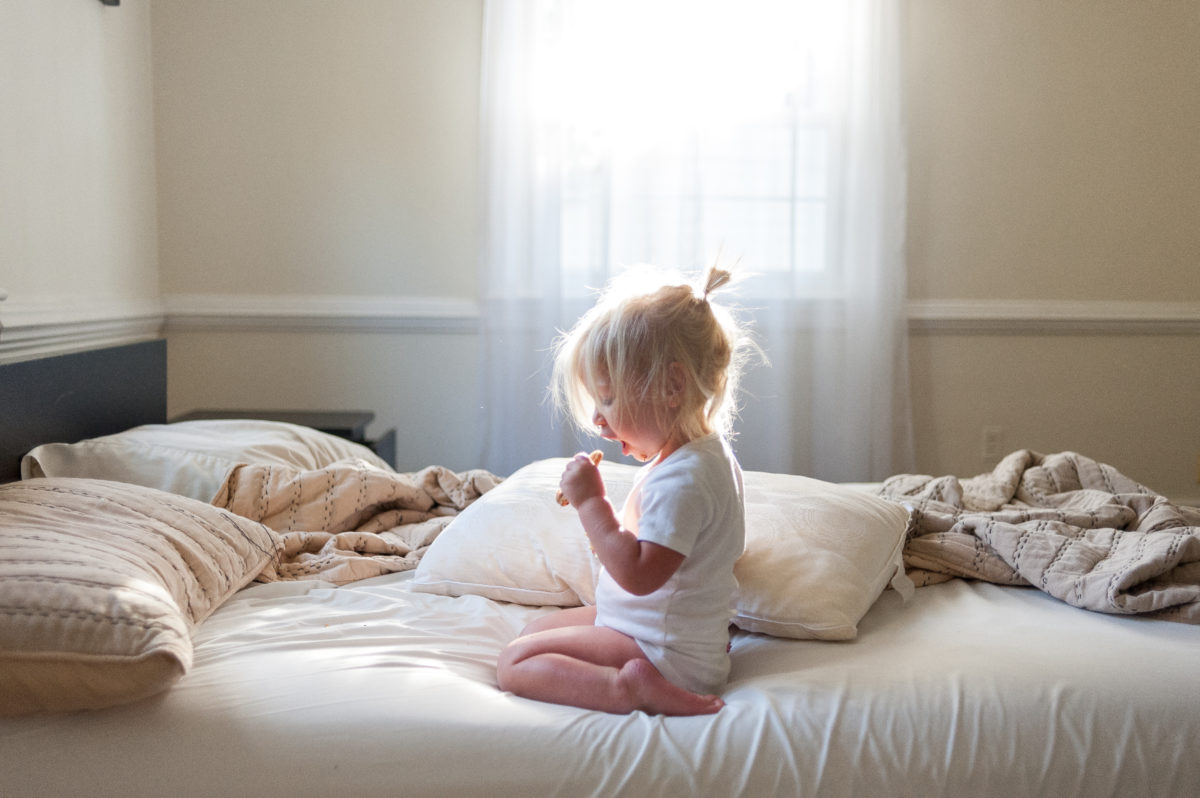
x: 716, y: 279
x: 642, y: 325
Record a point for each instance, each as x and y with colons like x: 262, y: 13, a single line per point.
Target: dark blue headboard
x: 66, y: 398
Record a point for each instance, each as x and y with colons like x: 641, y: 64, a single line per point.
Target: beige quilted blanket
x: 1073, y: 527
x: 350, y: 520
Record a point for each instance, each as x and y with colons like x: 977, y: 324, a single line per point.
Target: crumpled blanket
x: 350, y: 520
x: 1066, y: 524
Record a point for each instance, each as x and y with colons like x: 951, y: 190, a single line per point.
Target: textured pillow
x: 101, y: 584
x: 191, y: 458
x: 817, y: 554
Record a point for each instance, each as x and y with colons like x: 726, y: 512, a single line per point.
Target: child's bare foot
x: 654, y: 694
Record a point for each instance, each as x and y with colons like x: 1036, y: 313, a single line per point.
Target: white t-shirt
x: 691, y: 502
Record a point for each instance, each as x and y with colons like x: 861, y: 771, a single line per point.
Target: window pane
x: 673, y: 155
x: 751, y: 161
x: 808, y: 228
x: 756, y: 230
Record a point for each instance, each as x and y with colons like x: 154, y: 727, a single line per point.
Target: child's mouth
x: 626, y: 449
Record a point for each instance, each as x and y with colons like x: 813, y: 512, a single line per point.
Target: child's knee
x: 510, y: 656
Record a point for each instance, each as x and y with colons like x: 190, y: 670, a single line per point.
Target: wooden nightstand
x: 348, y: 424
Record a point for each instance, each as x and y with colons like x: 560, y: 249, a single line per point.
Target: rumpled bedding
x: 1071, y: 526
x: 350, y: 520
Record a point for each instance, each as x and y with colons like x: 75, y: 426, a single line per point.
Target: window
x: 619, y: 132
x: 704, y: 128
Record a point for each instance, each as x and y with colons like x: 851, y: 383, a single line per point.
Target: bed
x: 353, y: 652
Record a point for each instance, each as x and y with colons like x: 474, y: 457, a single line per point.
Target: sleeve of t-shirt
x: 675, y: 508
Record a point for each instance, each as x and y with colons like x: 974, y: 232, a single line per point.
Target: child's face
x: 635, y: 427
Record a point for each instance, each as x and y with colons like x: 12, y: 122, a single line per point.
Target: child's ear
x: 676, y: 384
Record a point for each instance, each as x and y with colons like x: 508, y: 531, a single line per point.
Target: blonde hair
x: 642, y: 324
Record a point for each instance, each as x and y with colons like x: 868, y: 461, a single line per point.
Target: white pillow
x: 817, y: 554
x: 516, y: 544
x: 191, y: 458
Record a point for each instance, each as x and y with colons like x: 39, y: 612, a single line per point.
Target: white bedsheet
x: 371, y: 689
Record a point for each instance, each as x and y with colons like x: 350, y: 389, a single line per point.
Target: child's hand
x: 581, y: 479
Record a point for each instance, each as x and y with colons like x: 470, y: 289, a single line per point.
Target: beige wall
x: 317, y: 210
x: 421, y: 384
x: 1054, y: 172
x: 77, y: 182
x: 318, y: 217
x: 1054, y: 149
x: 317, y: 146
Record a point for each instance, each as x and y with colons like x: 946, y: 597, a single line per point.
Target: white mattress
x: 372, y: 689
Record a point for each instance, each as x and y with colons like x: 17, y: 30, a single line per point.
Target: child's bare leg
x: 595, y: 668
x: 572, y: 616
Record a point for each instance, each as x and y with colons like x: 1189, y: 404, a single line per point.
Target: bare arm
x: 638, y: 566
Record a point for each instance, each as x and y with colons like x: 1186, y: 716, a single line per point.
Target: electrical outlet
x: 993, y: 444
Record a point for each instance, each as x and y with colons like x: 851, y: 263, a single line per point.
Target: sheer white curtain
x: 625, y: 132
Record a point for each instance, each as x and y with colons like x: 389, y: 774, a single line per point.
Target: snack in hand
x: 596, y: 457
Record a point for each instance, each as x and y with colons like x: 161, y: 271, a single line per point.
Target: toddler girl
x: 655, y: 369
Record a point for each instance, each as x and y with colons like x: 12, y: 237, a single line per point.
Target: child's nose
x: 597, y: 419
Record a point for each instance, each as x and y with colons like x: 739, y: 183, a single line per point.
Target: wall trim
x: 449, y: 314
x: 312, y: 313
x: 1052, y: 316
x: 31, y: 327
x: 39, y: 326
